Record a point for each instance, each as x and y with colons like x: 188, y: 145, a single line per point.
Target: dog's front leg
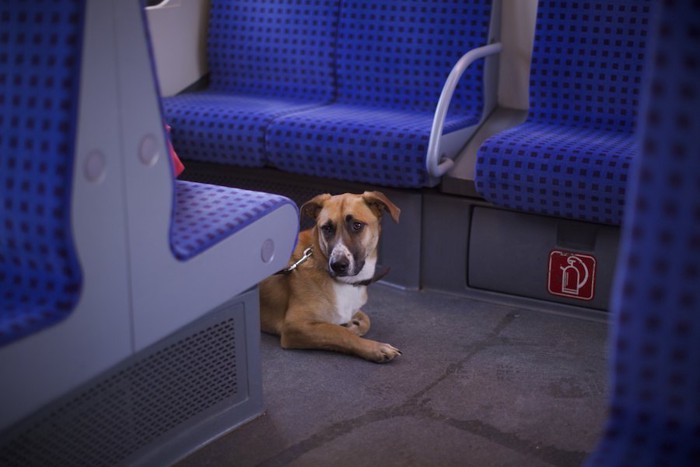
x: 327, y: 336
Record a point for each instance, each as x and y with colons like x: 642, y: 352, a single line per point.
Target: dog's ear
x: 379, y: 203
x: 312, y: 207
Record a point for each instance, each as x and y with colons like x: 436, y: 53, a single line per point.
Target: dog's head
x: 347, y: 227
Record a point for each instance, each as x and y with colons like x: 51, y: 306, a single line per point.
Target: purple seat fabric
x: 572, y: 156
x: 654, y: 409
x: 563, y: 171
x: 393, y: 60
x: 206, y: 214
x: 228, y: 129
x: 356, y: 143
x: 266, y: 59
x: 40, y: 276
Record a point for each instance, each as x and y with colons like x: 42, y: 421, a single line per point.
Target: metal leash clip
x: 306, y: 255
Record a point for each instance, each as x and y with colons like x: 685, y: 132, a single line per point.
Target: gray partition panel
x: 542, y: 257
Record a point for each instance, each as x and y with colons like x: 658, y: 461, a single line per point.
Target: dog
x: 315, y: 303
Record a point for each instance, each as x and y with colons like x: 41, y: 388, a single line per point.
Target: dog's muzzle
x: 342, y: 267
x: 342, y: 262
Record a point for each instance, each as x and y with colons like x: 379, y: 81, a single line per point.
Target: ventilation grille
x: 133, y: 406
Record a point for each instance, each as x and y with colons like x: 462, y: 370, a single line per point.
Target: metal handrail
x: 435, y: 166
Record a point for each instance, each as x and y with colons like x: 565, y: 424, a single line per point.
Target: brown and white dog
x: 316, y: 304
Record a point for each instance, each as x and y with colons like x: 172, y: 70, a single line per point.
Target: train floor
x: 480, y: 383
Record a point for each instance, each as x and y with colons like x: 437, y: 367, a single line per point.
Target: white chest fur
x: 348, y: 301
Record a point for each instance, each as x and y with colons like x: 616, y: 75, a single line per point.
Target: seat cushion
x: 225, y: 128
x: 356, y: 143
x: 206, y: 214
x: 559, y: 171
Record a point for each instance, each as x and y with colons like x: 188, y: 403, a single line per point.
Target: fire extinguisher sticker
x: 571, y: 274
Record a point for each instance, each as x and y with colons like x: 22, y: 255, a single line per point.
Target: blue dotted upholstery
x: 654, y: 416
x: 393, y: 60
x: 40, y: 56
x: 206, y: 214
x: 571, y: 157
x: 266, y: 59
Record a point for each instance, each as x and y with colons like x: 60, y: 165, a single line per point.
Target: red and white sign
x: 571, y: 274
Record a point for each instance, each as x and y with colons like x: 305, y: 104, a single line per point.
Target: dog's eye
x: 357, y: 226
x: 327, y: 229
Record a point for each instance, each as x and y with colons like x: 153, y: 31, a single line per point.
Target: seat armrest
x: 436, y: 164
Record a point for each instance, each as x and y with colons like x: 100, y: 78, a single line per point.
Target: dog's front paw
x: 384, y: 353
x: 359, y: 324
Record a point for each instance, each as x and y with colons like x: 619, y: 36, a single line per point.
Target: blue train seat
x: 353, y: 97
x: 144, y: 289
x: 572, y: 156
x: 206, y: 214
x: 40, y: 276
x: 654, y: 409
x: 393, y: 59
x: 265, y: 61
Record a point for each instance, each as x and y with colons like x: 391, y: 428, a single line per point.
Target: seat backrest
x: 398, y: 54
x: 282, y: 48
x: 587, y: 63
x: 40, y: 57
x: 655, y: 392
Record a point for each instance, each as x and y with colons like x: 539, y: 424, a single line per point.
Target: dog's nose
x: 340, y: 266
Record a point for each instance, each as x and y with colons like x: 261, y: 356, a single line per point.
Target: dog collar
x: 379, y: 274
